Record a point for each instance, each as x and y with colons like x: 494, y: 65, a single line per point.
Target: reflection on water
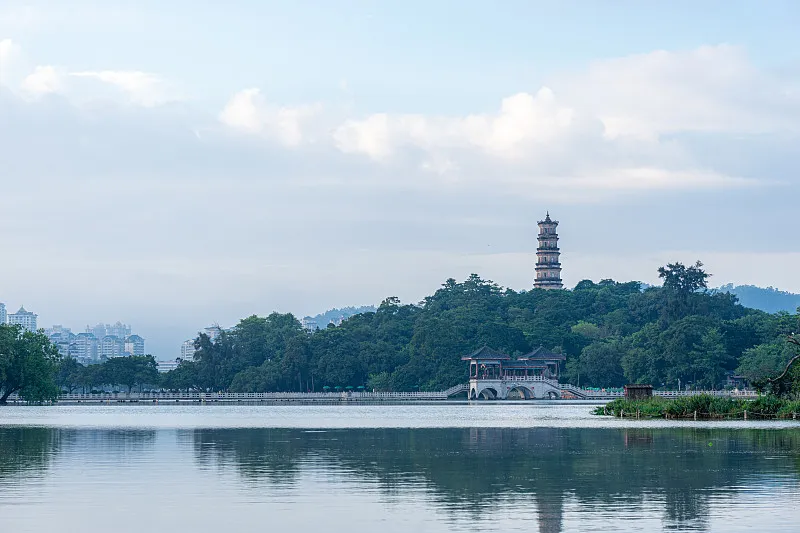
x: 477, y: 472
x: 397, y: 479
x: 26, y: 451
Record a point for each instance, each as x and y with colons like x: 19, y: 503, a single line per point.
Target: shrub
x: 789, y: 409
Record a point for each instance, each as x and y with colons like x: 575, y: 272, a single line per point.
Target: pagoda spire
x: 548, y: 262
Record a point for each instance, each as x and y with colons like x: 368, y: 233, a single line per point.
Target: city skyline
x: 316, y: 157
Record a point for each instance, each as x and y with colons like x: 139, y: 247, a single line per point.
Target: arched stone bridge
x: 523, y: 387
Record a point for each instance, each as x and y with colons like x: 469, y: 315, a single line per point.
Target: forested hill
x: 612, y: 333
x: 770, y: 299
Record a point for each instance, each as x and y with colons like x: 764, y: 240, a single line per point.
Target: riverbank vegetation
x: 703, y: 407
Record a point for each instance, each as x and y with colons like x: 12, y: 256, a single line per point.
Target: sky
x: 175, y: 164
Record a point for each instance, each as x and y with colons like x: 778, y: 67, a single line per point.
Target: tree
x: 788, y: 382
x: 90, y: 376
x: 600, y: 364
x: 131, y: 371
x: 683, y: 279
x: 70, y: 374
x: 28, y: 365
x: 765, y: 360
x: 182, y: 378
x: 380, y: 382
x: 588, y: 330
x: 710, y: 360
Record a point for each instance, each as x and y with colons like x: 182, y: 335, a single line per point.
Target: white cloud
x: 523, y: 120
x: 709, y: 89
x: 581, y: 138
x: 141, y: 88
x: 249, y: 112
x: 602, y: 129
x: 43, y: 80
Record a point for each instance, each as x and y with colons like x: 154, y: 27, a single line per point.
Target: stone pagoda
x: 548, y: 265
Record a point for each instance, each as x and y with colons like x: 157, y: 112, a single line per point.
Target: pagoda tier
x: 548, y: 262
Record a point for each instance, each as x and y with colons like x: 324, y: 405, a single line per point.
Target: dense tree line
x: 127, y: 372
x: 611, y: 333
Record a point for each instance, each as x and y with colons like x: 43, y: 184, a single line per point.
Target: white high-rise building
x: 24, y: 318
x: 188, y: 350
x: 134, y: 345
x: 63, y: 338
x: 111, y: 346
x: 213, y: 332
x: 84, y: 347
x: 117, y: 330
x: 3, y: 313
x: 309, y: 324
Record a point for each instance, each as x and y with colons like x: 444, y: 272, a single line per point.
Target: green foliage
x: 380, y: 382
x: 765, y: 360
x: 70, y: 374
x: 790, y: 409
x: 704, y: 406
x: 131, y: 371
x: 28, y: 365
x: 600, y: 364
x: 611, y: 334
x: 682, y: 279
x: 183, y: 378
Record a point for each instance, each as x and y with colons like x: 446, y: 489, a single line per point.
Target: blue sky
x: 173, y: 164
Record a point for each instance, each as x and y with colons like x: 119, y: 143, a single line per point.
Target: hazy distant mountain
x: 337, y: 315
x: 770, y: 299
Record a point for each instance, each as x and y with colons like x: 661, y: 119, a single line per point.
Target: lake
x: 533, y: 466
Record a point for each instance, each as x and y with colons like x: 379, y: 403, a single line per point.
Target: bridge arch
x: 521, y: 391
x: 487, y: 393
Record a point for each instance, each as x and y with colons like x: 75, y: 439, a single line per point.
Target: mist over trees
x: 611, y: 333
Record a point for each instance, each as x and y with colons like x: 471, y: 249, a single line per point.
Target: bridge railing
x: 231, y: 396
x: 357, y: 395
x: 513, y: 378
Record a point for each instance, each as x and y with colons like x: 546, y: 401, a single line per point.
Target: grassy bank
x: 703, y: 407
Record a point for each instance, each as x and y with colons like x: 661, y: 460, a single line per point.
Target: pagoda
x: 548, y: 265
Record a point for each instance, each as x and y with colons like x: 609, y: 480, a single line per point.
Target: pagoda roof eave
x: 486, y: 353
x: 540, y: 354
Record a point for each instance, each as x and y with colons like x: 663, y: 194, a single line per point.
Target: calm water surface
x: 523, y: 467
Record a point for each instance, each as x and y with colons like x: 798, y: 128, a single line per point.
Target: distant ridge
x: 770, y: 299
x: 337, y: 315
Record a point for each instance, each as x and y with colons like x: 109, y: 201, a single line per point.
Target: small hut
x: 638, y: 392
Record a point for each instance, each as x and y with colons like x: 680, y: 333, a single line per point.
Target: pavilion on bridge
x: 488, y: 364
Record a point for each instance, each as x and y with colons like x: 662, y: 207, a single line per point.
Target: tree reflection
x: 26, y: 451
x: 472, y: 473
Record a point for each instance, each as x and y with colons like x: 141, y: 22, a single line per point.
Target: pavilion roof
x: 542, y: 353
x: 486, y: 353
x: 524, y: 364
